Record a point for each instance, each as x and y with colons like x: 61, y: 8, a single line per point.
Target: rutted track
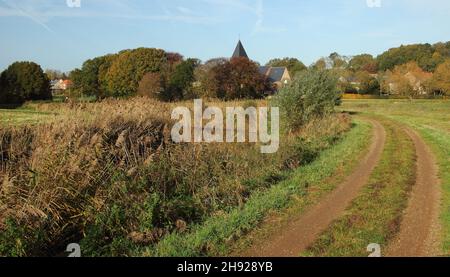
x: 420, y: 228
x: 303, y: 231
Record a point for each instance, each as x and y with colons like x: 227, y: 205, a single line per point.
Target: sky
x: 62, y: 34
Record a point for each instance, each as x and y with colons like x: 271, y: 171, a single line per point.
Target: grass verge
x: 218, y: 233
x: 374, y: 217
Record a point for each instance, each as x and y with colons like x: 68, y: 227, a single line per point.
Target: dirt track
x: 303, y: 231
x: 419, y: 230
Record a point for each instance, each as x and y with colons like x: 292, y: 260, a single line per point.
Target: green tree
x: 364, y: 62
x: 420, y: 53
x: 23, y: 81
x: 87, y: 80
x: 53, y: 74
x: 321, y: 64
x: 181, y: 80
x: 293, y: 65
x: 127, y: 70
x: 367, y: 83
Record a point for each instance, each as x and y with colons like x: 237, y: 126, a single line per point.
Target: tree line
x: 169, y: 76
x: 405, y: 70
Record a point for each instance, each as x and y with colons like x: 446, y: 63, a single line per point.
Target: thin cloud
x: 41, y: 13
x: 15, y: 10
x: 259, y: 25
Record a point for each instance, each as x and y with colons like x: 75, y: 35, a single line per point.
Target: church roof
x: 239, y: 52
x: 274, y: 74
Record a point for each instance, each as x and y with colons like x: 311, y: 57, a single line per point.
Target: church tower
x: 239, y: 52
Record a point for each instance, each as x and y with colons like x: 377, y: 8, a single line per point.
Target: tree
x: 53, y: 74
x: 312, y: 94
x: 440, y: 82
x: 23, y: 81
x: 88, y: 80
x: 205, y: 76
x: 367, y: 83
x: 321, y: 64
x: 180, y: 82
x: 364, y: 62
x: 293, y: 65
x: 239, y: 78
x: 127, y: 70
x: 422, y: 54
x: 152, y: 85
x: 409, y: 80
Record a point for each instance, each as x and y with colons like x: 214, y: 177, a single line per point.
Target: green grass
x: 374, y: 216
x: 431, y: 118
x: 23, y: 116
x: 217, y: 234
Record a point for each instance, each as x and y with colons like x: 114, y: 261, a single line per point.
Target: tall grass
x: 107, y: 175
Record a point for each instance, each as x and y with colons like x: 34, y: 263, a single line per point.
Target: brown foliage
x: 151, y: 85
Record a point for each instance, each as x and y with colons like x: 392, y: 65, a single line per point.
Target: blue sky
x: 56, y: 36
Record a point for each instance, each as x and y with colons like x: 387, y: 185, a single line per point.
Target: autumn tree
x: 409, y: 80
x: 440, y: 82
x: 206, y: 79
x: 364, y: 62
x: 127, y: 70
x: 152, y: 85
x: 239, y: 78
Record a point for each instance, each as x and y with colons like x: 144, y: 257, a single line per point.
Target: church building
x: 277, y: 76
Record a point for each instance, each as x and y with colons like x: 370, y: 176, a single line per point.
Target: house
x: 277, y: 76
x: 58, y: 86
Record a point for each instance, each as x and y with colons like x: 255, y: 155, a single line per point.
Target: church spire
x: 239, y: 52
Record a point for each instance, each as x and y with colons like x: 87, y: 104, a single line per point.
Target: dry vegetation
x: 108, y: 176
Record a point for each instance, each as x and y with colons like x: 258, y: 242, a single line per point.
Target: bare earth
x: 420, y: 228
x: 302, y: 232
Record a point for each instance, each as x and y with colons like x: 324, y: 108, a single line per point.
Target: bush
x: 312, y: 94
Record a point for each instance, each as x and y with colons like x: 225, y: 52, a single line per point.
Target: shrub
x: 312, y: 94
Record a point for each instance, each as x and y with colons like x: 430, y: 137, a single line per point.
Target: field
x: 105, y: 175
